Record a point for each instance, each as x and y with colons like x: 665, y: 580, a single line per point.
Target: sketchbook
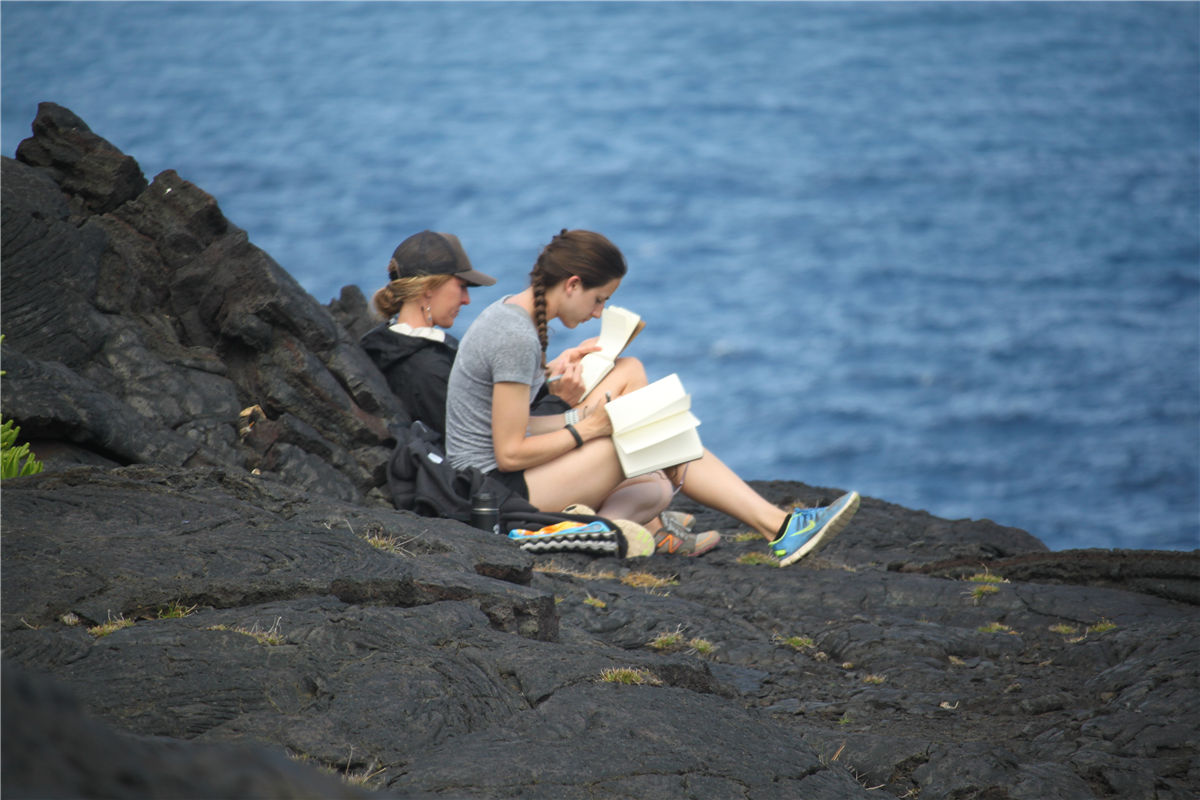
x: 618, y: 327
x: 654, y: 428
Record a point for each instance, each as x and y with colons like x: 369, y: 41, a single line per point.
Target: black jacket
x: 417, y: 370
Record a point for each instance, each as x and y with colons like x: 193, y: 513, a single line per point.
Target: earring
x: 428, y: 316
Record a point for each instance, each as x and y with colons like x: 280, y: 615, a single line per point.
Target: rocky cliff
x: 208, y: 593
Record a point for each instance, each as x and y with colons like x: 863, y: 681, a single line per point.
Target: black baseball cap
x: 429, y: 253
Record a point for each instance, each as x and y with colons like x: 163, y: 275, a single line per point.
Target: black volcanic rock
x: 215, y: 445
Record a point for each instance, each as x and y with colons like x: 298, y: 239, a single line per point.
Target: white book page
x: 616, y: 326
x: 648, y: 435
x: 648, y: 403
x: 678, y: 450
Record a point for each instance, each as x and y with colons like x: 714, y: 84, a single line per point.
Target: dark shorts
x: 514, y: 481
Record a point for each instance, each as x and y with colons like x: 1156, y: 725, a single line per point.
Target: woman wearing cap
x: 430, y: 278
x: 501, y: 365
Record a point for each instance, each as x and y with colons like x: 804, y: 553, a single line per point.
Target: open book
x: 654, y: 427
x: 618, y: 326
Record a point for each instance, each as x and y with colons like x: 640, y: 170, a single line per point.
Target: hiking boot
x: 806, y: 529
x: 674, y: 540
x: 639, y: 542
x: 680, y: 519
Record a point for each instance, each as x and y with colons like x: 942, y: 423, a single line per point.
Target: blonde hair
x: 391, y: 298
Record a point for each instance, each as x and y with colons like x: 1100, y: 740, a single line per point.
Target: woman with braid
x: 429, y: 278
x: 500, y: 368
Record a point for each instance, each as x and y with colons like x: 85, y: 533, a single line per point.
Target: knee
x: 665, y: 490
x: 632, y: 371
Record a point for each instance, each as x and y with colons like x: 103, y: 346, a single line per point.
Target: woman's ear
x: 572, y: 284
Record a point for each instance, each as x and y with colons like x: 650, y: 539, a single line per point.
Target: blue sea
x: 947, y: 254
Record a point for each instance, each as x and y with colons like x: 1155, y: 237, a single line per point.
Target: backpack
x: 421, y: 479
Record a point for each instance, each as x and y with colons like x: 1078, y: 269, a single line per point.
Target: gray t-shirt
x: 500, y: 346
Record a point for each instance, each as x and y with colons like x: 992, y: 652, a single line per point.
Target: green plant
x: 753, y: 559
x: 594, y: 602
x: 111, y: 626
x: 389, y: 543
x: 668, y: 640
x: 796, y: 642
x: 629, y: 676
x: 995, y: 627
x: 174, y: 610
x: 1103, y: 626
x: 977, y: 593
x: 15, y: 459
x: 672, y: 641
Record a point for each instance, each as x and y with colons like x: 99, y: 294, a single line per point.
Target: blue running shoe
x: 808, y: 528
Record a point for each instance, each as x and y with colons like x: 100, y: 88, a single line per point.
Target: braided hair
x: 589, y: 255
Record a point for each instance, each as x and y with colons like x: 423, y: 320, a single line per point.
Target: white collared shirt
x: 433, y: 334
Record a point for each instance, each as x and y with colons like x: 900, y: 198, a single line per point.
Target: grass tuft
x: 270, y: 637
x: 629, y: 676
x: 796, y: 642
x: 981, y: 591
x: 647, y: 580
x: 1103, y: 626
x: 175, y: 610
x: 996, y: 627
x: 112, y: 626
x: 594, y: 602
x: 756, y: 559
x: 390, y: 544
x: 674, y: 641
x: 668, y: 640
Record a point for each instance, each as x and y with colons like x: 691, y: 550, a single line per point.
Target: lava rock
x: 208, y: 594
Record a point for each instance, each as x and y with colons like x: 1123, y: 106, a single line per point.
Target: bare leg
x: 627, y: 374
x: 708, y: 481
x: 587, y: 475
x: 640, y: 499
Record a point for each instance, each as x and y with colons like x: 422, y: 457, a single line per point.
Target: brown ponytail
x: 589, y: 255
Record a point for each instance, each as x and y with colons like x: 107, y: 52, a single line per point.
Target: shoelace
x: 805, y: 514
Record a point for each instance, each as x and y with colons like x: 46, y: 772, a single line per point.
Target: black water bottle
x: 485, y: 514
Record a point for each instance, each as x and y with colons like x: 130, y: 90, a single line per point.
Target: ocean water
x: 946, y: 254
